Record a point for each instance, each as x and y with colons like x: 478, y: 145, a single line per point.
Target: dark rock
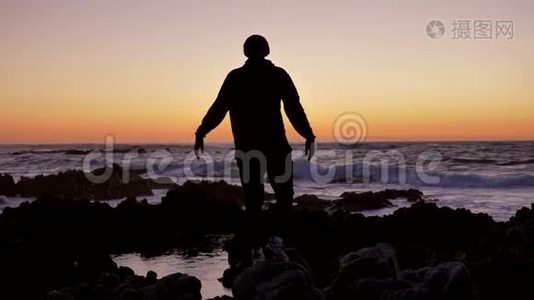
x: 151, y: 276
x: 59, y: 295
x: 230, y: 274
x: 311, y: 202
x: 7, y: 185
x: 373, y: 274
x: 221, y: 192
x: 175, y: 286
x: 77, y: 152
x: 412, y: 195
x: 53, y: 242
x: 125, y: 272
x: 451, y: 281
x: 108, y: 280
x: 48, y: 244
x: 377, y: 262
x: 422, y: 235
x: 503, y: 278
x: 205, y: 206
x: 90, y: 266
x: 353, y: 202
x: 111, y: 287
x: 276, y: 278
x: 75, y: 184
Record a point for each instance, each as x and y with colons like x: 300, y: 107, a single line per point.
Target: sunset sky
x: 146, y: 71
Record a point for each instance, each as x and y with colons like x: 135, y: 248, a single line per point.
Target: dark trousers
x: 253, y: 166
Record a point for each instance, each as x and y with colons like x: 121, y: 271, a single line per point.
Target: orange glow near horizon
x: 75, y: 71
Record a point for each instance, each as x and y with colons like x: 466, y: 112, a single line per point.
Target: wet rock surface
x: 59, y: 248
x: 108, y: 183
x: 124, y: 285
x: 419, y: 252
x: 357, y: 202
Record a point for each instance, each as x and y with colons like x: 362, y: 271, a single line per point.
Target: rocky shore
x: 75, y: 184
x: 58, y: 247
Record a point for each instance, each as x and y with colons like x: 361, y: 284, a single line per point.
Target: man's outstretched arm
x: 296, y: 115
x: 293, y: 108
x: 217, y: 111
x: 214, y: 116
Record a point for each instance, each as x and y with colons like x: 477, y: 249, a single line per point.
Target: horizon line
x: 291, y: 142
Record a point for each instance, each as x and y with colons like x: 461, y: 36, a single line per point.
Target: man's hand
x: 199, y: 145
x: 310, y: 148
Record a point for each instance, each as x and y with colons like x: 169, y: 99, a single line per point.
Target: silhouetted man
x: 253, y: 94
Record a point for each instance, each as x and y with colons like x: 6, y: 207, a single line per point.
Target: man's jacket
x: 253, y: 94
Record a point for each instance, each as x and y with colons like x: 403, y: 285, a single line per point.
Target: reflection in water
x: 203, y: 259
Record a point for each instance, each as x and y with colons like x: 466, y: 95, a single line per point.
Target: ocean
x: 490, y: 177
x: 496, y: 178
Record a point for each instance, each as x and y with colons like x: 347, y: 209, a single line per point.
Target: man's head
x: 256, y: 46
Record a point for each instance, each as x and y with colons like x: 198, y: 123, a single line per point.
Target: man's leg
x: 251, y: 181
x: 280, y: 174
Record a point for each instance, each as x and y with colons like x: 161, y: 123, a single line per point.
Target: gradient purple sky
x: 146, y: 71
